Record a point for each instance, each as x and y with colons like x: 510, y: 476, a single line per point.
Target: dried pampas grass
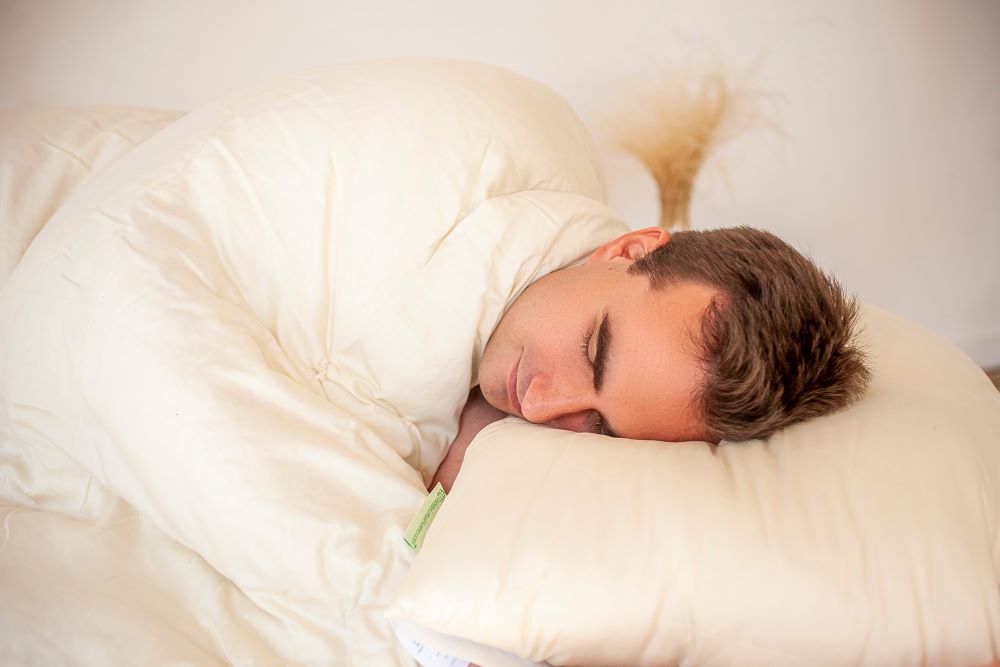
x: 674, y: 125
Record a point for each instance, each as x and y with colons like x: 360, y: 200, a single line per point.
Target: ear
x: 633, y: 245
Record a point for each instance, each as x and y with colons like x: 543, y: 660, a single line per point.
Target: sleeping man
x: 728, y: 334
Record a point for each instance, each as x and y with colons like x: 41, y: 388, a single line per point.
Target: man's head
x: 723, y: 334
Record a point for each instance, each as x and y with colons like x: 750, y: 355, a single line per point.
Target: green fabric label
x: 421, y: 521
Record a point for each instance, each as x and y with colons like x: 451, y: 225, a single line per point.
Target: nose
x: 558, y: 401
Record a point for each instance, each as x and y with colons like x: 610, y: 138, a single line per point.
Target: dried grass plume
x: 675, y: 123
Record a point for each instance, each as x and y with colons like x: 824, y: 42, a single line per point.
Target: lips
x: 512, y: 389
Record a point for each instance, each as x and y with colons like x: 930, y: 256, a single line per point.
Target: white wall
x: 885, y: 163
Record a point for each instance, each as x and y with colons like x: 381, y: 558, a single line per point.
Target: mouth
x: 512, y: 389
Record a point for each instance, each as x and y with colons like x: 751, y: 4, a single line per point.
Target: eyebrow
x: 603, y: 347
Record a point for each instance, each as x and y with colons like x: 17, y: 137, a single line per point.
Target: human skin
x: 476, y: 415
x: 541, y: 360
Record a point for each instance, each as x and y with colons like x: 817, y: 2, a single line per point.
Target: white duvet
x: 230, y: 361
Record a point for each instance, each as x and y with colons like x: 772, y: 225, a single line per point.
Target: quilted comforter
x: 238, y: 344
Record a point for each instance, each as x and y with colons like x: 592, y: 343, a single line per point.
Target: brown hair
x: 777, y: 345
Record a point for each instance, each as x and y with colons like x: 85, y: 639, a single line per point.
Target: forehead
x: 654, y: 373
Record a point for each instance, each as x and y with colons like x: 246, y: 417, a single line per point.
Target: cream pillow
x: 868, y: 537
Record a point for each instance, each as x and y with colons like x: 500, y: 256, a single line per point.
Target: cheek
x: 556, y: 349
x: 492, y: 382
x: 501, y: 352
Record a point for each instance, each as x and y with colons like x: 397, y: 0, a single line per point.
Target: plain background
x: 879, y: 157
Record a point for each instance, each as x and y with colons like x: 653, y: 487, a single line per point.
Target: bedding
x: 45, y: 154
x: 233, y: 357
x: 866, y: 537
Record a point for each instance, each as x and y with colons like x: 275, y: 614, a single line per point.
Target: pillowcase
x: 867, y: 537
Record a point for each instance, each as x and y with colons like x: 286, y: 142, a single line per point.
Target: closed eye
x: 599, y: 426
x: 585, y: 347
